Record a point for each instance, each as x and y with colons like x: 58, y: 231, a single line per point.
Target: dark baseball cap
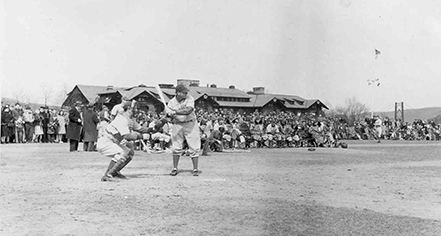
x: 182, y: 88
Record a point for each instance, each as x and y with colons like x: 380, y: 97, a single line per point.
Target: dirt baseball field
x: 390, y: 188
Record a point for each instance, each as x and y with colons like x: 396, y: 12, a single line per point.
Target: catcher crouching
x: 115, y: 142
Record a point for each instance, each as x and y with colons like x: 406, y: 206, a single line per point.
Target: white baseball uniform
x: 185, y: 127
x: 110, y: 144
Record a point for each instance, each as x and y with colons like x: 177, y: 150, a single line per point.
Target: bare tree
x: 19, y: 94
x: 352, y: 110
x: 46, y: 92
x: 61, y: 94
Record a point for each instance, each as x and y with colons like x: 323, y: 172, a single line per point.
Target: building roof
x: 197, y: 92
x: 90, y: 92
x: 289, y: 101
x: 133, y: 92
x: 219, y: 92
x: 289, y: 97
x: 256, y: 100
x: 313, y: 101
x: 260, y: 100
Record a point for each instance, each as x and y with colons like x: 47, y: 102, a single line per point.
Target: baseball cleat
x: 174, y: 172
x: 106, y: 178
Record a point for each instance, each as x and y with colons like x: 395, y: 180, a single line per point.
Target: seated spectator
x: 214, y: 142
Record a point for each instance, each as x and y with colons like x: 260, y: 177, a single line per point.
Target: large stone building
x: 210, y: 97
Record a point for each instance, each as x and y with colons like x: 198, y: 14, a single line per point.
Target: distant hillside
x: 34, y: 106
x: 412, y: 114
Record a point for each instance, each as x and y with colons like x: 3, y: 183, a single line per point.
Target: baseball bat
x: 145, y: 148
x: 161, y: 95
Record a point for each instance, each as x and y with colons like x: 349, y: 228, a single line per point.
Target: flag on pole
x: 377, y: 53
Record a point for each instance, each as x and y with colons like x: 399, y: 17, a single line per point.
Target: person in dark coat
x: 8, y: 125
x: 45, y: 123
x: 74, y: 127
x: 90, y: 122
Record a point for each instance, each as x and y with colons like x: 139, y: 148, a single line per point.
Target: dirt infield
x: 391, y: 188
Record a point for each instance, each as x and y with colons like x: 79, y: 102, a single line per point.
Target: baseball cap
x: 181, y: 88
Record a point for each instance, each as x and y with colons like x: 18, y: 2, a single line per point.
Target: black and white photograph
x: 220, y: 117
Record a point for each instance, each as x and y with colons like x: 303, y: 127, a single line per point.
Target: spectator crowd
x: 24, y: 125
x: 220, y: 129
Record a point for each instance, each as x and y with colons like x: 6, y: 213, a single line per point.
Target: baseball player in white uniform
x: 185, y: 127
x: 115, y: 142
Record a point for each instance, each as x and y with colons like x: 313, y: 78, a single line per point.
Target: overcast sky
x: 314, y: 49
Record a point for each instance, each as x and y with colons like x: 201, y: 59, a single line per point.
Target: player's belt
x: 182, y: 122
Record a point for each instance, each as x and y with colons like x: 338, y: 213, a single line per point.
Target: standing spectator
x: 44, y: 112
x: 28, y: 118
x: 19, y: 129
x: 61, y: 119
x: 74, y: 127
x: 3, y: 124
x: 52, y: 130
x: 90, y: 121
x: 8, y: 125
x: 17, y: 111
x: 38, y: 130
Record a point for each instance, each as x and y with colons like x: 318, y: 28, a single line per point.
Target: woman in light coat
x: 61, y: 118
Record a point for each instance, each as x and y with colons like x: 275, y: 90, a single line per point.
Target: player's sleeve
x: 121, y: 124
x: 114, y: 111
x: 189, y: 102
x: 171, y: 104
